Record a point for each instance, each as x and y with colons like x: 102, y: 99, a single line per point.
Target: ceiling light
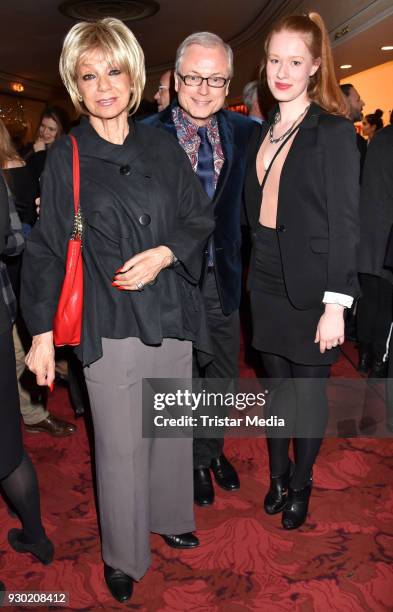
x: 126, y: 10
x: 346, y: 66
x: 18, y: 87
x: 387, y: 48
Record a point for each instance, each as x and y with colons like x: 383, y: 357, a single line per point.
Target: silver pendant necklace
x: 277, y: 119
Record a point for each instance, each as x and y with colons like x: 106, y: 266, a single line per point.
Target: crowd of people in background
x: 224, y: 161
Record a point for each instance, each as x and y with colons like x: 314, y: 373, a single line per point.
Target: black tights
x: 21, y: 489
x: 297, y: 395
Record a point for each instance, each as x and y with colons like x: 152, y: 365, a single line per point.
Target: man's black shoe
x: 225, y: 474
x: 379, y: 369
x: 119, y: 584
x: 203, y: 487
x: 364, y: 361
x: 183, y: 540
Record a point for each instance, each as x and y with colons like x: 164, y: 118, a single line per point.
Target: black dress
x: 11, y: 447
x: 278, y: 327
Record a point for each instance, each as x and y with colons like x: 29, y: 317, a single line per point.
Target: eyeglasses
x: 194, y: 81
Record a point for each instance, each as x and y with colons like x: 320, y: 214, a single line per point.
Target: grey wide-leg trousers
x: 143, y: 484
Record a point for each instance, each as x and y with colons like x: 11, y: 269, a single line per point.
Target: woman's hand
x: 41, y: 359
x: 39, y: 145
x: 330, y: 329
x: 142, y: 269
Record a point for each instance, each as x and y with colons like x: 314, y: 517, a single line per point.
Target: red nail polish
x: 118, y: 270
x: 121, y: 288
x: 114, y: 284
x: 51, y: 387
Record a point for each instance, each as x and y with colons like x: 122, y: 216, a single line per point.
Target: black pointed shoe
x: 225, y: 474
x: 183, y: 540
x: 295, y: 511
x: 119, y: 584
x: 43, y: 550
x: 203, y: 487
x: 276, y: 497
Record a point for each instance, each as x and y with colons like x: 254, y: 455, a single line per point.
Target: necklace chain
x: 277, y: 119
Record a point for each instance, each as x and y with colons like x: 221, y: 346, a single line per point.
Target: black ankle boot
x: 295, y: 511
x: 276, y: 497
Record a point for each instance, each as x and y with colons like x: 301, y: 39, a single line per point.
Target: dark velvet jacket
x: 318, y: 208
x: 134, y: 196
x: 235, y: 132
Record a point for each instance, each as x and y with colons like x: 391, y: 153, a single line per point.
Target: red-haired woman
x: 302, y: 204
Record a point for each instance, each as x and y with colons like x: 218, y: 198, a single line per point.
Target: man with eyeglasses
x: 215, y: 141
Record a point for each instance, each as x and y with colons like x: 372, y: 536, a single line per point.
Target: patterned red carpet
x: 341, y: 560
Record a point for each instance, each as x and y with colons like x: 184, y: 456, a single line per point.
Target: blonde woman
x: 146, y: 221
x: 18, y: 479
x: 19, y: 178
x: 23, y: 187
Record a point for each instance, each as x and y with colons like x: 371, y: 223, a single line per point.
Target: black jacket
x: 362, y: 147
x: 235, y: 133
x: 376, y: 207
x: 317, y: 215
x: 4, y: 230
x: 134, y: 197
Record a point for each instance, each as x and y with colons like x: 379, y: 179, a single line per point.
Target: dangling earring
x: 79, y: 97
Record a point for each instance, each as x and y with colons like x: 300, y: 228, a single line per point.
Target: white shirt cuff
x: 338, y: 298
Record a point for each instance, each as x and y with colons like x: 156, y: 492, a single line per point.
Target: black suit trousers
x: 374, y: 314
x: 225, y: 335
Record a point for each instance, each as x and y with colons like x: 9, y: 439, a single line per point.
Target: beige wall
x: 376, y: 88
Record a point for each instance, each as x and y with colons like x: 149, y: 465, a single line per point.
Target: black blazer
x: 4, y: 230
x: 376, y: 207
x: 235, y: 133
x: 317, y: 215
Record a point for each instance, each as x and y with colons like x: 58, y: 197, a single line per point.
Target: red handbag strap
x: 75, y: 172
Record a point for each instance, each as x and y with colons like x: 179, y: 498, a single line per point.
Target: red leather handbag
x: 67, y: 324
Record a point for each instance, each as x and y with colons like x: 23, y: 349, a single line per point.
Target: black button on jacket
x: 157, y: 201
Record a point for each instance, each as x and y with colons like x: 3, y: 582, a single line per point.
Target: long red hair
x: 323, y: 87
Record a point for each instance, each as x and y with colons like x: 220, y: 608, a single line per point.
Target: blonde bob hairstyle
x: 119, y: 47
